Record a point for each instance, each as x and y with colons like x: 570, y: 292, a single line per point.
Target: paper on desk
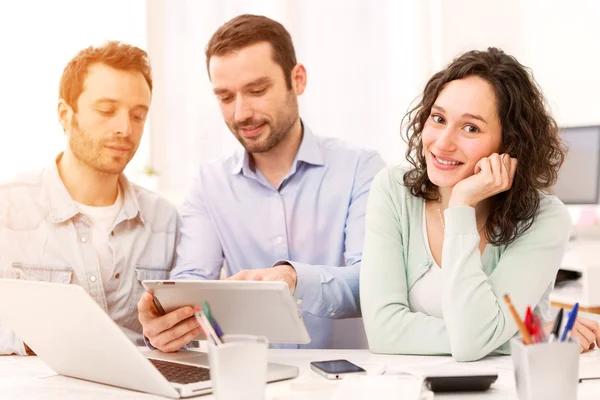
x: 312, y: 386
x: 379, y: 387
x: 15, y: 367
x: 489, y: 363
x: 589, y: 364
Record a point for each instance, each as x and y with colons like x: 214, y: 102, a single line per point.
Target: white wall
x: 562, y: 48
x: 470, y: 24
x: 365, y: 65
x: 37, y: 39
x: 558, y: 40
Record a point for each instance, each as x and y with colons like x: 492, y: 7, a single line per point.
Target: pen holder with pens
x: 546, y: 371
x: 238, y: 367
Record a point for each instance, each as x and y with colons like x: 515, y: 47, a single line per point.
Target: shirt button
x: 117, y: 276
x: 279, y: 240
x: 92, y: 278
x: 332, y: 313
x: 426, y: 262
x: 299, y: 301
x: 277, y: 196
x: 83, y: 239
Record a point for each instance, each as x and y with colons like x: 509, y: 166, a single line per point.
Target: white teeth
x: 446, y: 162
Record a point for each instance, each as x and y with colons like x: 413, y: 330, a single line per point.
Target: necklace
x: 442, y: 218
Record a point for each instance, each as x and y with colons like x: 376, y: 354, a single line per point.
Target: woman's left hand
x: 492, y: 175
x: 585, y: 331
x: 587, y: 334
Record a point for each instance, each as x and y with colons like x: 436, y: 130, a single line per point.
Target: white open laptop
x: 76, y: 338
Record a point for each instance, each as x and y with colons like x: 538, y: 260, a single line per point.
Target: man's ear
x: 65, y: 114
x: 299, y: 79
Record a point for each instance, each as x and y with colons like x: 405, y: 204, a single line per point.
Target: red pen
x: 537, y: 322
x: 528, y: 320
x: 534, y: 333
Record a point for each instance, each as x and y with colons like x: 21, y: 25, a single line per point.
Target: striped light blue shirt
x: 314, y: 220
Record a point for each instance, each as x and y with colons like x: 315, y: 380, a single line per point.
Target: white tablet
x: 242, y: 307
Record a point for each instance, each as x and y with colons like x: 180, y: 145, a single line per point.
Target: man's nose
x: 243, y: 110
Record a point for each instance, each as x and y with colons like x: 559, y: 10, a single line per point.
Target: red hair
x: 114, y: 54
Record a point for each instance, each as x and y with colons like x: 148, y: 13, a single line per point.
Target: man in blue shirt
x: 290, y: 207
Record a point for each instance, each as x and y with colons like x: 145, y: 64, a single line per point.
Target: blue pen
x: 570, y: 322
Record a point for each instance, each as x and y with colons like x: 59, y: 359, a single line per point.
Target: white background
x: 366, y: 61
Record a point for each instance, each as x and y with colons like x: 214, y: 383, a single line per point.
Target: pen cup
x: 546, y: 371
x: 238, y: 367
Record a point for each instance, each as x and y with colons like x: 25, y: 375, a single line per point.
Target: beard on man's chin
x: 261, y: 143
x: 276, y: 132
x: 93, y: 153
x: 114, y: 139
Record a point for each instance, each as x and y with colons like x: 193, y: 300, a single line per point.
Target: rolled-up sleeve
x: 332, y: 291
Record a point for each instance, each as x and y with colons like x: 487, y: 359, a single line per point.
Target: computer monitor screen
x: 579, y: 176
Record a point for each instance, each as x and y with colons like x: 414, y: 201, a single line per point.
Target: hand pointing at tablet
x: 280, y: 273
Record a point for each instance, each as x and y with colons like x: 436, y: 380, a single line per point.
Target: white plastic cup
x: 238, y: 367
x: 546, y: 371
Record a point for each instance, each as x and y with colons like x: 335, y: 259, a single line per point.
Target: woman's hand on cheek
x: 492, y: 175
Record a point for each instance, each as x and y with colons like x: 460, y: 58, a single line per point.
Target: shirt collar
x: 308, y: 152
x: 131, y: 205
x: 61, y: 205
x: 242, y: 164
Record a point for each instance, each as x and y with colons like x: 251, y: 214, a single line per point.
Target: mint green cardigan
x: 476, y: 320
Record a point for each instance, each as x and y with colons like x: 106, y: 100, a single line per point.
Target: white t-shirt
x: 426, y: 294
x: 102, y: 220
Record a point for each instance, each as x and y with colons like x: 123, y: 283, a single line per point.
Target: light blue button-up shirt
x: 314, y: 220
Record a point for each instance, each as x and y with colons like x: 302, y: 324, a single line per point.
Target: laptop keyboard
x: 181, y: 373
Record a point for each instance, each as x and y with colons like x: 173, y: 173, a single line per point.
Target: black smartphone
x: 460, y: 383
x: 336, y: 369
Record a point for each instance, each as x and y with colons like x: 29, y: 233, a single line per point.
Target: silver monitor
x: 579, y: 177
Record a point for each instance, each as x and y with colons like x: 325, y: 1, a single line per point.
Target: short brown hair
x: 246, y: 30
x: 529, y: 134
x: 114, y: 54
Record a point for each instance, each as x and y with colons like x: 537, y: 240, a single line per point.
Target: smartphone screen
x: 337, y: 366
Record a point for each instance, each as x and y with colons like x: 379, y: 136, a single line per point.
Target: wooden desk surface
x: 593, y: 310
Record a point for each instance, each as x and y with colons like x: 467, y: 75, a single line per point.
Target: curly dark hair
x: 529, y: 134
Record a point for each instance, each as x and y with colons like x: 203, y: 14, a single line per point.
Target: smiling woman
x: 484, y: 153
x: 493, y: 106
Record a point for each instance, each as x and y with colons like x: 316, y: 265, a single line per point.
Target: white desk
x: 30, y: 378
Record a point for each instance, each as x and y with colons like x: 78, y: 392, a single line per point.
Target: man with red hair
x: 80, y: 220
